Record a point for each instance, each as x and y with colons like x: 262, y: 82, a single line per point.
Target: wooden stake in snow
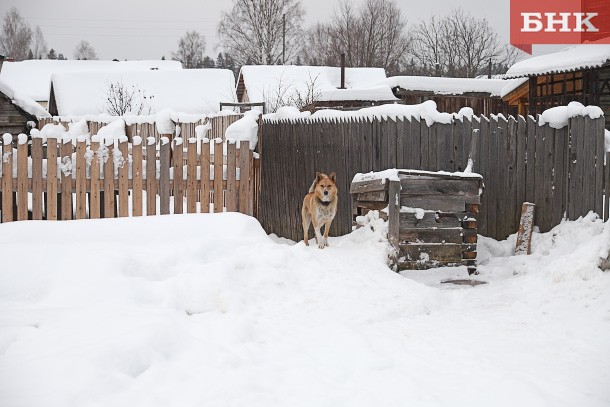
x: 524, y: 237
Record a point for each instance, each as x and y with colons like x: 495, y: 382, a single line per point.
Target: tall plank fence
x: 561, y: 170
x: 59, y: 180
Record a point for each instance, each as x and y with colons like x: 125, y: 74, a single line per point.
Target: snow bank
x: 244, y: 129
x: 23, y: 101
x: 112, y: 130
x: 125, y: 316
x: 558, y: 117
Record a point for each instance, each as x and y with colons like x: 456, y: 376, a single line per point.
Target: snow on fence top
x: 577, y: 57
x: 424, y: 111
x: 267, y: 83
x: 32, y: 78
x: 558, y: 117
x: 191, y: 91
x: 24, y: 102
x: 448, y: 86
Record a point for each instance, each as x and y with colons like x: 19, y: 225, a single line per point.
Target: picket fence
x: 62, y: 181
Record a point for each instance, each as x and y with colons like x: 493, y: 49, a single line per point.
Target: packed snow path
x: 207, y: 310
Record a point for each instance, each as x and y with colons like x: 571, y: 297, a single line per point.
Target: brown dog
x: 320, y: 207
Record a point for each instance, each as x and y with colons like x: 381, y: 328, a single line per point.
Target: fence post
x: 394, y: 217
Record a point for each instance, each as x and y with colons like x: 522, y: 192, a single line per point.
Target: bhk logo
x: 558, y: 22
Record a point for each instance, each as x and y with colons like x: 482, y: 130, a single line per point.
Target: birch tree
x: 190, y: 50
x: 16, y: 36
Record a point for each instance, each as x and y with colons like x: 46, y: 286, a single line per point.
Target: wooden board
x: 178, y: 176
x: 81, y: 180
x: 423, y: 186
x: 123, y: 174
x: 37, y: 202
x: 164, y: 184
x: 526, y: 226
x: 136, y: 175
x: 218, y: 192
x: 231, y: 195
x: 447, y: 235
x: 204, y: 191
x: 151, y: 179
x: 109, y: 184
x: 94, y: 195
x: 52, y: 179
x: 22, y: 181
x: 435, y: 252
x: 368, y: 186
x: 244, y: 177
x: 428, y: 220
x: 191, y: 177
x: 438, y: 203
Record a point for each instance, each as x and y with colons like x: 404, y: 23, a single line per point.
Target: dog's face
x: 326, y: 189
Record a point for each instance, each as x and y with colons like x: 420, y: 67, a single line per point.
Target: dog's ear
x: 318, y: 176
x: 333, y: 176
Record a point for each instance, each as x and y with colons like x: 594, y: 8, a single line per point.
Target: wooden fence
x: 561, y: 170
x: 218, y: 125
x: 60, y: 181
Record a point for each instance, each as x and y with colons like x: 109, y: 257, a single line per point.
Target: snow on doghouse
x: 431, y: 215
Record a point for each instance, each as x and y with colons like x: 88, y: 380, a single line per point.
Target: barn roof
x: 269, y: 82
x: 448, y: 86
x: 32, y: 78
x: 575, y: 58
x: 25, y: 103
x: 194, y: 91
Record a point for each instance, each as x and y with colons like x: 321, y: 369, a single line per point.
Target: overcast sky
x: 149, y: 29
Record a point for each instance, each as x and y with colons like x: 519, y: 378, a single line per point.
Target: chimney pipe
x: 342, y: 71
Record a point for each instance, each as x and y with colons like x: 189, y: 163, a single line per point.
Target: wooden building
x: 580, y: 73
x: 451, y: 94
x: 17, y: 113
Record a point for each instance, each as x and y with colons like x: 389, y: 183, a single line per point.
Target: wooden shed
x: 451, y: 94
x: 16, y: 117
x: 431, y: 215
x: 580, y: 73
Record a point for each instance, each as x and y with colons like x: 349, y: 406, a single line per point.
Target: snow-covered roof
x: 374, y: 93
x: 577, y: 57
x: 33, y: 77
x: 448, y: 86
x: 268, y: 82
x: 27, y: 104
x: 194, y: 91
x: 512, y: 85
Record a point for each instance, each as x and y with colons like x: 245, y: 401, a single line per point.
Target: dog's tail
x: 312, y: 188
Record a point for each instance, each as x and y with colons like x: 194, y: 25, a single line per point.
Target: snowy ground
x: 207, y: 310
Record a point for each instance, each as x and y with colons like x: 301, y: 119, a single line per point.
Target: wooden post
x: 51, y: 179
x: 151, y: 177
x: 607, y: 188
x: 7, y: 178
x: 37, y: 178
x: 244, y: 176
x: 524, y: 236
x: 204, y: 191
x: 94, y: 194
x: 136, y: 175
x: 109, y: 180
x: 164, y: 176
x: 393, y: 217
x: 218, y: 170
x: 124, y: 179
x: 81, y: 179
x: 231, y: 177
x: 178, y: 175
x: 191, y: 176
x: 22, y: 178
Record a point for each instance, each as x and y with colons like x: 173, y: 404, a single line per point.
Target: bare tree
x: 374, y: 35
x: 122, y: 99
x: 252, y: 31
x: 190, y: 50
x: 84, y: 50
x: 460, y: 45
x: 39, y: 45
x: 16, y: 36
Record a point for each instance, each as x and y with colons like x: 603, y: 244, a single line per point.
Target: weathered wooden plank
x: 600, y: 152
x: 22, y: 180
x: 440, y: 186
x: 530, y: 157
x: 433, y: 141
x: 431, y: 253
x: 520, y: 153
x: 607, y: 188
x: 560, y: 176
x: 244, y: 176
x: 204, y: 191
x: 438, y: 203
x: 526, y: 226
x: 218, y: 173
x: 482, y: 167
x: 151, y: 177
x: 502, y: 205
x: 547, y: 212
x: 394, y: 214
x: 178, y: 157
x: 109, y: 180
x: 137, y: 177
x: 430, y: 219
x: 368, y: 186
x: 425, y: 150
x: 94, y: 195
x: 492, y: 183
x: 191, y: 176
x: 37, y: 201
x: 373, y: 196
x: 81, y: 179
x: 444, y: 148
x: 123, y: 178
x: 539, y: 173
x: 512, y: 206
x: 447, y: 235
x: 421, y: 265
x: 164, y: 183
x: 231, y: 195
x: 588, y: 166
x: 52, y: 182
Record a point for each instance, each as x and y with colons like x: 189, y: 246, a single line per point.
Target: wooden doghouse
x: 431, y: 215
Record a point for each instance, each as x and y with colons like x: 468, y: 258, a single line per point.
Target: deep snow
x: 207, y: 310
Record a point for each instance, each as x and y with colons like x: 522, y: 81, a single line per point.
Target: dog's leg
x: 306, y: 220
x: 326, y: 229
x: 319, y: 238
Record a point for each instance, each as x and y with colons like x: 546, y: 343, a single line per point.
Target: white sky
x: 149, y: 29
